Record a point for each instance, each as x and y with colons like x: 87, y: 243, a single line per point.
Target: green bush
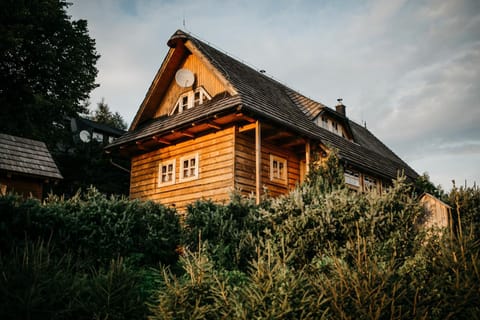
x: 228, y: 232
x: 310, y: 226
x: 36, y: 284
x: 465, y: 202
x: 94, y: 227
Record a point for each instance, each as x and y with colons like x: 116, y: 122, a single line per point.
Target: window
x: 334, y: 127
x: 190, y: 99
x: 189, y: 167
x: 278, y: 169
x: 324, y: 122
x: 97, y: 136
x: 370, y: 183
x: 352, y: 178
x: 166, y: 174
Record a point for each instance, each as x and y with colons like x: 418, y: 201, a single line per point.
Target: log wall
x: 215, y: 171
x: 245, y: 166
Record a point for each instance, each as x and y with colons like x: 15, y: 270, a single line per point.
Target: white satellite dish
x: 184, y: 78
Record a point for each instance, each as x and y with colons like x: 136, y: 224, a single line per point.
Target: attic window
x: 190, y: 99
x: 334, y: 127
x: 324, y: 122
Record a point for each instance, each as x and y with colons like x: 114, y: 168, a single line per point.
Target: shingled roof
x: 27, y: 157
x: 272, y: 100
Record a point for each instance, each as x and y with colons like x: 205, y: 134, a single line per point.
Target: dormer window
x: 325, y: 122
x: 190, y: 99
x: 334, y: 127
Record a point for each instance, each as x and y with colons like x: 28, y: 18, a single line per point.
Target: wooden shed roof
x: 272, y: 100
x: 27, y: 157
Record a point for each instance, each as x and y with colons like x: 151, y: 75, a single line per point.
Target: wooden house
x: 210, y: 124
x: 25, y: 166
x: 85, y: 130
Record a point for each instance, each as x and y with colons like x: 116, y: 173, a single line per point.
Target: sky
x: 410, y: 70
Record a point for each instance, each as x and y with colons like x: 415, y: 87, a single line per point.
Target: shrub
x: 227, y: 232
x: 36, y: 284
x: 94, y: 227
x: 310, y: 226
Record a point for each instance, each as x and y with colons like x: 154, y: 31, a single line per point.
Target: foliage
x: 103, y: 115
x: 423, y: 184
x: 465, y: 202
x: 316, y: 253
x: 94, y: 227
x: 47, y: 68
x: 37, y: 284
x: 309, y: 225
x: 227, y: 232
x: 86, y: 164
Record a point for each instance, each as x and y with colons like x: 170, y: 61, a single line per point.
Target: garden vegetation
x: 320, y: 252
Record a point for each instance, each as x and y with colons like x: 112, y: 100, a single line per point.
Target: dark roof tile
x: 26, y: 156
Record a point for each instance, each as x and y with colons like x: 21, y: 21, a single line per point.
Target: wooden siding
x: 437, y: 213
x: 215, y: 181
x: 245, y: 166
x: 203, y: 77
x: 25, y: 186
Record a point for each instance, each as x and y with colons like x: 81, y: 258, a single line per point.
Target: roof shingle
x: 26, y: 156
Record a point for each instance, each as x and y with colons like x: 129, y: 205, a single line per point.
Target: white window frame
x: 334, y: 127
x: 166, y: 164
x: 324, y: 122
x: 192, y: 174
x: 370, y: 183
x: 182, y: 104
x: 276, y: 173
x: 352, y: 178
x: 97, y: 136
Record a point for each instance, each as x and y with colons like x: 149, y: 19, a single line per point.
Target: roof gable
x: 164, y: 92
x: 204, y: 78
x: 27, y: 157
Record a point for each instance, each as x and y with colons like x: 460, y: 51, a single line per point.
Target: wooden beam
x: 307, y: 157
x: 140, y: 146
x: 214, y: 126
x: 186, y: 134
x: 244, y: 117
x: 279, y: 135
x: 247, y: 127
x: 292, y: 143
x: 258, y: 160
x: 161, y: 140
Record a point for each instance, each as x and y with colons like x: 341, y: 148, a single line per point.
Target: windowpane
x: 167, y: 173
x: 278, y: 169
x: 189, y: 167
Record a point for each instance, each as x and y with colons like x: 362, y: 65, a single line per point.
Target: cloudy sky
x: 409, y: 69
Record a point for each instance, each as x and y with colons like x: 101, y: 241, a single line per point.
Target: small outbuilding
x: 25, y: 166
x: 437, y: 212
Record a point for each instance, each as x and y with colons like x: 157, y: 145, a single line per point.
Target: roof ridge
x: 263, y: 72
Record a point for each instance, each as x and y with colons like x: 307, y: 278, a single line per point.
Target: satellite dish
x: 85, y: 136
x: 184, y: 78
